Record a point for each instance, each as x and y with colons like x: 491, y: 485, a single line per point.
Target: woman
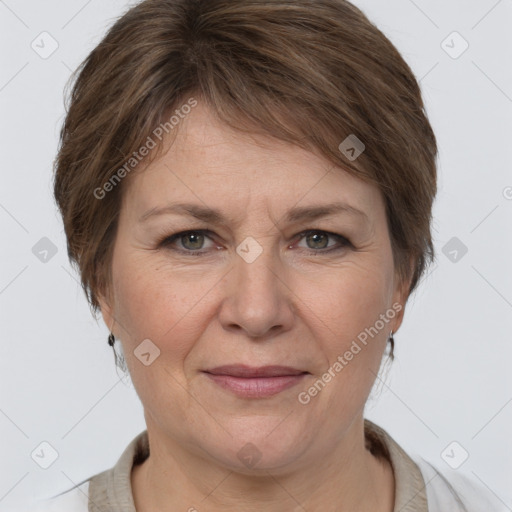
x: 246, y: 188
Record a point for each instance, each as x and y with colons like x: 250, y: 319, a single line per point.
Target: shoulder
x: 107, y: 490
x: 420, y: 485
x: 459, y: 492
x: 73, y: 500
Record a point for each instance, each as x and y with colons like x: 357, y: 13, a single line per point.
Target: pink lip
x: 261, y: 382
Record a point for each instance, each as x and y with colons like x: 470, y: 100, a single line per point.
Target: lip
x: 242, y: 370
x: 255, y: 382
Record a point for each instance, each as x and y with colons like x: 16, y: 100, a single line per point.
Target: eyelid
x: 170, y: 239
x: 343, y: 242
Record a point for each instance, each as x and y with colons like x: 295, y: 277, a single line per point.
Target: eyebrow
x: 214, y: 216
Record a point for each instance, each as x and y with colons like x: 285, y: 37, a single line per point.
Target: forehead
x: 210, y: 163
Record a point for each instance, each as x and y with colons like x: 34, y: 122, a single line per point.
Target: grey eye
x: 318, y: 240
x: 192, y: 241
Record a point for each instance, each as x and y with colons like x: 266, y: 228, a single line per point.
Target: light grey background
x: 451, y: 380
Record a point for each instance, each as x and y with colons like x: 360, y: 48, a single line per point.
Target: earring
x: 391, y: 341
x: 111, y: 339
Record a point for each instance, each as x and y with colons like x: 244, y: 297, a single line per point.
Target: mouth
x: 255, y: 382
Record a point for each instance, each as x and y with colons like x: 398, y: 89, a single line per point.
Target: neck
x: 347, y: 478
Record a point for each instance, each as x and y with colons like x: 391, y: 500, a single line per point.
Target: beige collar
x: 111, y: 491
x: 410, y: 493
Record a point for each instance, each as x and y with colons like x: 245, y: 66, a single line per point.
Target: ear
x: 107, y: 312
x: 400, y: 296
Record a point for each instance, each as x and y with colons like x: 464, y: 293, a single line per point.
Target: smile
x: 260, y: 382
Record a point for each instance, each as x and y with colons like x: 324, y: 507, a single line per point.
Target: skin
x: 294, y: 305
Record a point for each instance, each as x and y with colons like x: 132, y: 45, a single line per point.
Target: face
x: 268, y: 280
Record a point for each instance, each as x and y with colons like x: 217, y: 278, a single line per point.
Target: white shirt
x: 419, y: 486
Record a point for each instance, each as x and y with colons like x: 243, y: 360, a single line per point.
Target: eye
x: 190, y: 242
x: 318, y: 241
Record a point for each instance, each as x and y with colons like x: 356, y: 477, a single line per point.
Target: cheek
x: 350, y: 299
x: 162, y: 304
x: 353, y: 345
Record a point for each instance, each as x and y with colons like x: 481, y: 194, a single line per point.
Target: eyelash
x: 169, y: 240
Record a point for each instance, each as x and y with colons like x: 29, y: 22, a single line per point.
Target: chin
x: 258, y: 444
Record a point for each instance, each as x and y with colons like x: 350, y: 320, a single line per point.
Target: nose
x: 258, y: 300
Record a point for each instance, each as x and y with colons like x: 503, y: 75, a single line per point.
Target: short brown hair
x: 309, y: 72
